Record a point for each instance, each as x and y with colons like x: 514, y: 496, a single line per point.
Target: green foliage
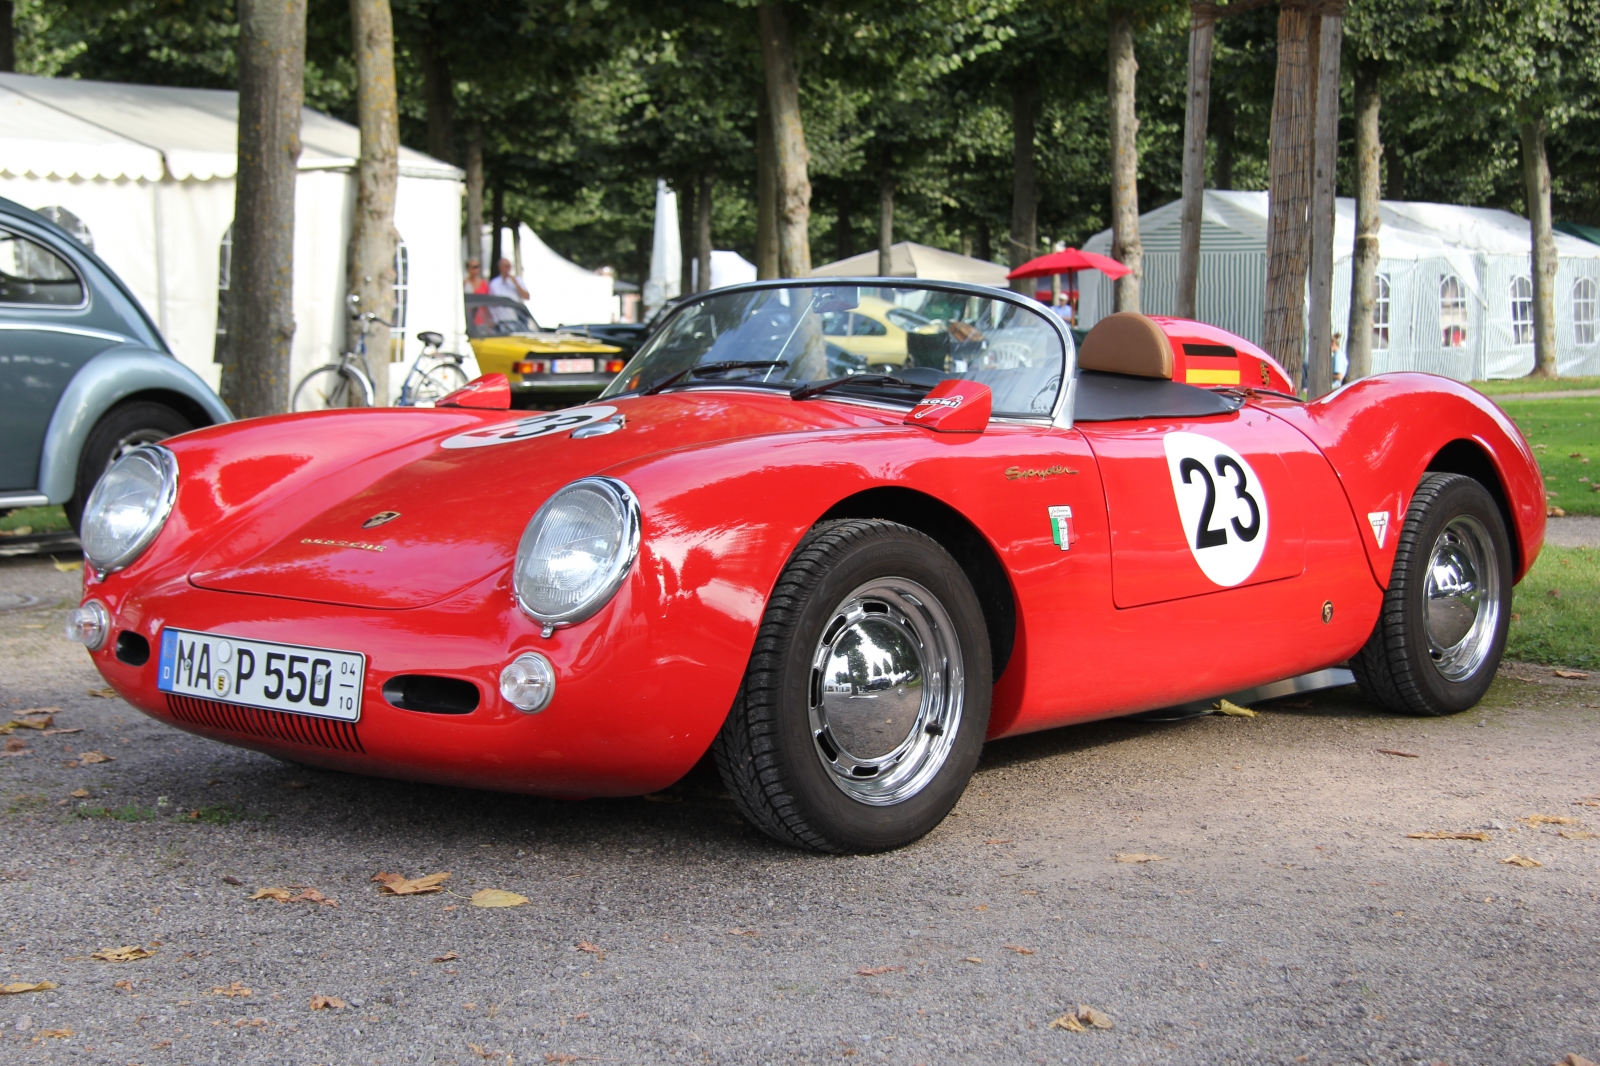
x: 1513, y: 386
x: 37, y: 519
x: 1565, y: 434
x: 1556, y: 610
x: 218, y: 814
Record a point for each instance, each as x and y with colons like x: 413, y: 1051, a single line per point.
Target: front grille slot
x: 270, y: 725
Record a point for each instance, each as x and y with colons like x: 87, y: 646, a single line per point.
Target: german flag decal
x: 1210, y: 364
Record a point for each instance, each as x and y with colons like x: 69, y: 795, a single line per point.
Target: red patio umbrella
x: 1069, y: 261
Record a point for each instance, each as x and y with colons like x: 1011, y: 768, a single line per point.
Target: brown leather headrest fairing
x: 1127, y: 343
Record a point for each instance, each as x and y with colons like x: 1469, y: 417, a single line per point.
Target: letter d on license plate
x: 260, y: 673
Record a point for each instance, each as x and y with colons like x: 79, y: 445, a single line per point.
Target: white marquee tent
x: 148, y: 174
x: 560, y: 292
x: 1455, y: 296
x: 908, y: 259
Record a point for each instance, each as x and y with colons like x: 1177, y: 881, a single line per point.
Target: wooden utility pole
x: 1326, y: 153
x: 1536, y: 176
x: 1289, y: 190
x: 1364, y: 261
x: 789, y: 140
x: 272, y: 56
x: 372, y: 238
x: 1024, y: 237
x: 766, y: 194
x: 1125, y: 245
x: 1202, y: 28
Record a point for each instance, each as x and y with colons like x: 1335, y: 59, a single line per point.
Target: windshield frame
x: 1061, y: 413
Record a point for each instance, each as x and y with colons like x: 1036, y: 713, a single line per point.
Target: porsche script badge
x: 380, y: 518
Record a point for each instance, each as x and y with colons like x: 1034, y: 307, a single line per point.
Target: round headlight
x: 129, y: 506
x: 577, y: 550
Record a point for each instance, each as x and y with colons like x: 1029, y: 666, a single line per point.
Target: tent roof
x: 67, y: 128
x: 910, y: 260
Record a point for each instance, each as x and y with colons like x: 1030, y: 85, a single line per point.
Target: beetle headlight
x: 129, y: 506
x: 577, y: 550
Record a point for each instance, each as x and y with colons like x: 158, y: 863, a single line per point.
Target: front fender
x: 101, y: 383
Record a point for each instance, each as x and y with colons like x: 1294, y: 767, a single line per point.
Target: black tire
x: 1410, y: 665
x: 120, y: 430
x: 771, y: 759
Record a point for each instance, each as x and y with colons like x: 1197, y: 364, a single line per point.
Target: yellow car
x: 875, y: 331
x: 547, y: 368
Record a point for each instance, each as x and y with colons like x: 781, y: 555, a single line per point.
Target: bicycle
x: 442, y: 376
x: 347, y: 383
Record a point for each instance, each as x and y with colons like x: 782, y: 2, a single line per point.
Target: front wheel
x: 332, y: 386
x: 866, y: 701
x: 1442, y: 630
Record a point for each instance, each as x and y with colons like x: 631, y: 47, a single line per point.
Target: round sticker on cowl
x: 1221, y: 505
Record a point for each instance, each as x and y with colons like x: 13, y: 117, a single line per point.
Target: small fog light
x: 528, y: 682
x: 89, y: 624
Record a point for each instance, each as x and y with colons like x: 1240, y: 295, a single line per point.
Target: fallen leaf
x: 227, y: 879
x: 1519, y: 860
x: 327, y: 1003
x: 233, y: 990
x: 54, y: 1034
x: 104, y: 693
x: 398, y: 885
x: 16, y: 746
x: 1401, y: 754
x: 972, y: 959
x: 1430, y: 835
x: 280, y: 894
x: 496, y: 897
x: 1069, y: 1022
x: 1233, y: 710
x: 1081, y: 1020
x: 85, y: 758
x: 1555, y: 512
x: 1578, y: 834
x: 126, y: 986
x: 446, y: 957
x: 742, y: 932
x: 311, y: 895
x: 1571, y: 675
x: 1550, y: 819
x: 49, y: 720
x: 79, y: 793
x: 127, y: 953
x: 67, y: 567
x: 878, y: 971
x: 1020, y: 950
x: 18, y: 987
x: 61, y: 732
x: 1575, y: 1059
x: 1095, y: 1018
x: 981, y: 907
x: 484, y: 1052
x: 999, y: 840
x: 563, y: 1057
x: 584, y: 945
x: 1139, y: 856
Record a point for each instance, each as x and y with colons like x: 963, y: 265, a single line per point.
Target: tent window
x: 1584, y: 298
x: 30, y: 273
x: 1521, y: 311
x: 402, y: 292
x: 1452, y: 312
x: 1380, y: 315
x: 71, y: 223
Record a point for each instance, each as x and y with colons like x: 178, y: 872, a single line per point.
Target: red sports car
x: 840, y: 582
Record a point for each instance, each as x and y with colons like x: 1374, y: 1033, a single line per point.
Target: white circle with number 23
x: 1221, y: 504
x: 542, y: 425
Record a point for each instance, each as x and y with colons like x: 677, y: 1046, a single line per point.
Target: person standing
x: 476, y: 284
x: 506, y: 283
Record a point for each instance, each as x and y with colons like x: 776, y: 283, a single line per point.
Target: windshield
x: 899, y: 341
x: 497, y: 316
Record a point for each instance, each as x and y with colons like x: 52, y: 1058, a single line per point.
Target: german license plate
x: 264, y: 674
x: 572, y: 366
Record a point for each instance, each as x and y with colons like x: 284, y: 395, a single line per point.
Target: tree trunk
x: 1536, y: 173
x: 475, y: 197
x: 497, y: 223
x: 789, y: 141
x: 1024, y: 236
x: 1289, y: 191
x: 272, y: 55
x: 688, y: 203
x: 1201, y: 30
x: 702, y: 232
x: 1394, y: 185
x: 372, y: 240
x: 1364, y: 261
x: 766, y: 194
x: 885, y: 223
x: 1330, y: 38
x: 8, y: 36
x: 1222, y: 124
x: 843, y: 238
x: 1125, y: 245
x: 983, y: 247
x: 438, y: 94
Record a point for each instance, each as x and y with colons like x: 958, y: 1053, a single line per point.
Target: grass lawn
x: 35, y: 520
x: 1565, y: 434
x: 1555, y: 612
x: 1511, y: 386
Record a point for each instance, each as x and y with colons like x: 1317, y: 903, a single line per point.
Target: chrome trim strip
x: 23, y: 499
x: 77, y: 331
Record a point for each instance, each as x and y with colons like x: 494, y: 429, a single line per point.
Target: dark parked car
x: 85, y: 376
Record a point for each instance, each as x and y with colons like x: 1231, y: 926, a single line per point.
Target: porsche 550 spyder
x: 838, y: 581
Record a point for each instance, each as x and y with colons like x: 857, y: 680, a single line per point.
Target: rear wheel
x: 866, y: 701
x: 330, y: 387
x: 1442, y: 630
x: 119, y: 431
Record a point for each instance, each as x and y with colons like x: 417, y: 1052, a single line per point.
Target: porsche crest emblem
x: 380, y: 518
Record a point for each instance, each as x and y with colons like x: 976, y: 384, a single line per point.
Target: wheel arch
x: 1469, y: 458
x: 962, y: 539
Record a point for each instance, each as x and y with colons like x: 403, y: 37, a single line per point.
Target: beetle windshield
x: 898, y: 341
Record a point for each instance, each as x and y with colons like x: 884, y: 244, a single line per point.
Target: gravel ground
x: 1290, y: 920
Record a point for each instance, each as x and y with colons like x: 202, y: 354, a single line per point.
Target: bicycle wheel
x: 331, y: 386
x: 430, y: 386
x: 450, y: 375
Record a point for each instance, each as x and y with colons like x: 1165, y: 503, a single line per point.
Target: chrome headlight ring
x: 576, y: 551
x: 149, y: 471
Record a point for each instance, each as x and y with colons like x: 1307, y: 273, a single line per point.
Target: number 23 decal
x: 1221, y: 505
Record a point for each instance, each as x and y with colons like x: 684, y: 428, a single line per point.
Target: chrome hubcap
x: 1461, y: 598
x: 885, y: 691
x: 137, y: 439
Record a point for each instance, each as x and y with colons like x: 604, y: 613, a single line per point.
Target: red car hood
x: 463, y: 501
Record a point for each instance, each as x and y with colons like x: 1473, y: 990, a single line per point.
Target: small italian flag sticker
x: 1061, y: 527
